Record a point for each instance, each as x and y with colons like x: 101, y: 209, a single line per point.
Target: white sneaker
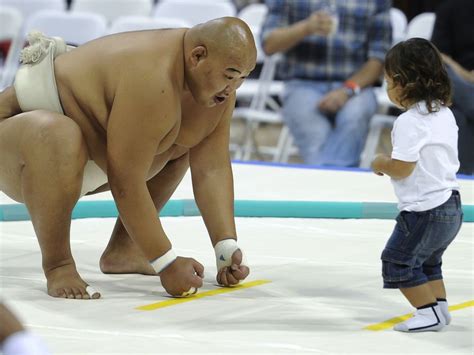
x: 443, y: 305
x: 425, y: 319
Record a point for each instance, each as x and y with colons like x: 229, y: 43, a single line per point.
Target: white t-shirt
x: 430, y: 140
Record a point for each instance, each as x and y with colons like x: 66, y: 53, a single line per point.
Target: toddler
x: 422, y: 167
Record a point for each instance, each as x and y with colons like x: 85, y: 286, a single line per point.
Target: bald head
x: 228, y: 37
x: 218, y: 56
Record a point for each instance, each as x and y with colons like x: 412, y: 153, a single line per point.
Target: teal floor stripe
x: 243, y: 208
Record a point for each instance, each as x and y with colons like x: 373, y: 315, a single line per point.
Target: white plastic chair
x: 399, y: 23
x: 421, y: 25
x: 11, y: 21
x: 260, y: 92
x: 192, y: 11
x: 75, y: 28
x: 254, y: 15
x: 30, y: 7
x: 113, y: 9
x: 138, y: 23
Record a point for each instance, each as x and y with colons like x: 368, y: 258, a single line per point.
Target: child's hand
x: 377, y: 164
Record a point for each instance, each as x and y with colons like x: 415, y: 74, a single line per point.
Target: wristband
x: 353, y: 87
x: 224, y: 250
x: 160, y: 263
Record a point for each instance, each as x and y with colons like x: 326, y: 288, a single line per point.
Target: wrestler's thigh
x: 36, y: 139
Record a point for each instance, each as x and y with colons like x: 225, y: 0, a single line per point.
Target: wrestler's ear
x: 198, y: 54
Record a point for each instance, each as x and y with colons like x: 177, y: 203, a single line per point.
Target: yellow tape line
x: 391, y: 322
x: 174, y: 301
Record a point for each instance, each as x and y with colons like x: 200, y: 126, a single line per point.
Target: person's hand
x: 233, y: 274
x: 320, y: 23
x: 181, y: 276
x: 467, y: 75
x: 333, y: 101
x: 376, y: 165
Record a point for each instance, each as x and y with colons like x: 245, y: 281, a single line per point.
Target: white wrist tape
x: 159, y: 264
x: 224, y: 250
x: 24, y: 342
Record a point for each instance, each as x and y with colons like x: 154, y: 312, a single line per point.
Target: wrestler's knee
x: 60, y: 139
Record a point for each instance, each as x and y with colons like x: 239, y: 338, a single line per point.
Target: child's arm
x: 396, y: 169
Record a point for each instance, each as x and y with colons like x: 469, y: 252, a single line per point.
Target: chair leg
x: 281, y: 147
x: 250, y: 144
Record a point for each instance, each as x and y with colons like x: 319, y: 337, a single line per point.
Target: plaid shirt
x: 364, y: 32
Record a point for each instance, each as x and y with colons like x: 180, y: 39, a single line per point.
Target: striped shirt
x: 364, y: 31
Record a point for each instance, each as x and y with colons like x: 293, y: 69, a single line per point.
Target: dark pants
x: 463, y: 109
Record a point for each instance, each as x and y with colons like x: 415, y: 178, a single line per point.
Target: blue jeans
x: 323, y: 140
x: 413, y: 253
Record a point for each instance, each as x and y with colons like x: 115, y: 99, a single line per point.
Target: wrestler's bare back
x: 89, y: 76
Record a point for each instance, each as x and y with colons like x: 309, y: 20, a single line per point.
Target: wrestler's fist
x: 233, y: 274
x: 181, y: 276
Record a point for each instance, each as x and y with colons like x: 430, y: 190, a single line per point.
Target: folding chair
x: 75, y: 28
x: 30, y: 7
x: 137, y: 23
x: 254, y: 15
x: 112, y: 9
x: 194, y: 12
x: 263, y: 109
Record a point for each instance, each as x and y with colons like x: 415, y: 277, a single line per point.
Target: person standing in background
x: 453, y: 35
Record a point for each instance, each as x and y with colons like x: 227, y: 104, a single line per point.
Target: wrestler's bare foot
x: 122, y: 256
x: 65, y: 282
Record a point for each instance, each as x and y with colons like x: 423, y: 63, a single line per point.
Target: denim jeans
x: 413, y: 253
x: 323, y: 140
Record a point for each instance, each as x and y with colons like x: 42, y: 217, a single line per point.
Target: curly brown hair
x: 417, y: 67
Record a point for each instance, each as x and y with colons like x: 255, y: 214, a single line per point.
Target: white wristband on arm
x: 224, y: 250
x: 160, y: 263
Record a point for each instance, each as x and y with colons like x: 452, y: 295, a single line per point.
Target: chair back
x: 75, y: 28
x: 113, y: 9
x: 254, y: 15
x: 194, y: 12
x: 30, y: 7
x: 11, y: 20
x: 421, y: 26
x: 138, y: 23
x: 399, y: 25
